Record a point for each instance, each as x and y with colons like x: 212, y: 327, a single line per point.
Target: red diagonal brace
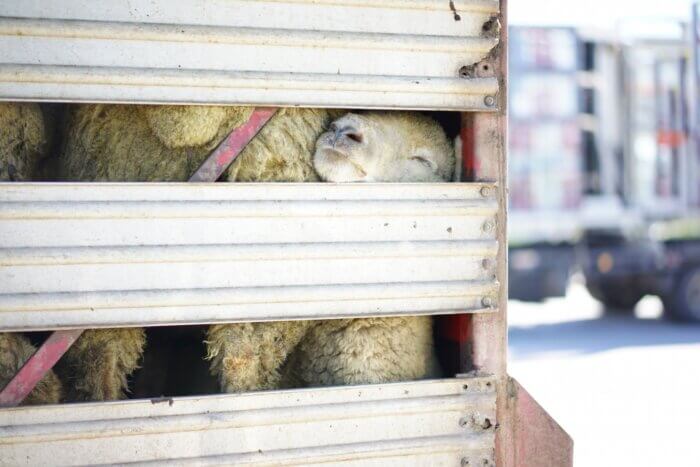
x: 37, y: 366
x: 231, y: 147
x: 59, y: 342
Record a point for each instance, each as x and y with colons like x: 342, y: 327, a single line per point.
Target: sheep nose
x: 349, y: 132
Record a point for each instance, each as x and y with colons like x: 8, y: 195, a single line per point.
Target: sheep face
x: 384, y: 147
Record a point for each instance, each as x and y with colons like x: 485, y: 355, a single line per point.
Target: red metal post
x: 37, y: 366
x: 470, y: 163
x: 224, y: 155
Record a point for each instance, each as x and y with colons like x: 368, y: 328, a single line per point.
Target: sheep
x: 24, y: 140
x: 108, y: 142
x: 25, y: 137
x: 378, y: 147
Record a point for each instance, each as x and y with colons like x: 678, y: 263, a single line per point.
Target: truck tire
x: 616, y: 300
x: 683, y: 302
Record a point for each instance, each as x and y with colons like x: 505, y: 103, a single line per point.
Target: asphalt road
x: 626, y: 388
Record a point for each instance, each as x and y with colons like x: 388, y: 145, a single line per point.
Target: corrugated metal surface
x: 420, y: 423
x: 95, y: 255
x: 359, y: 53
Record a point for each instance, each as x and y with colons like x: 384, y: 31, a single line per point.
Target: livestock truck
x: 77, y: 256
x: 604, y: 167
x: 658, y: 254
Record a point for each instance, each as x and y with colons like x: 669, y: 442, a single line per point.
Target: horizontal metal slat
x: 245, y: 418
x: 28, y: 312
x: 109, y: 232
x: 293, y: 296
x: 249, y: 52
x: 445, y: 418
x: 426, y: 17
x: 226, y: 402
x: 260, y: 252
x: 103, y: 255
x: 217, y: 192
x: 441, y: 450
x: 242, y: 209
x: 138, y: 85
x: 248, y: 273
x: 241, y: 36
x: 202, y: 53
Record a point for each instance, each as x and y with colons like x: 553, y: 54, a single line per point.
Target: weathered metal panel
x: 104, y: 255
x: 190, y: 51
x: 420, y: 423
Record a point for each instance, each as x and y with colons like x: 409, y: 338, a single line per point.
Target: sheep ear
x: 426, y: 158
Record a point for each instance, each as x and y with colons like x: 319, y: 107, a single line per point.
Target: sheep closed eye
x: 423, y: 161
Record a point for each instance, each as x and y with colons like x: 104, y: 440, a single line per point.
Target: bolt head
x: 487, y: 302
x: 485, y: 191
x: 490, y: 101
x: 488, y: 226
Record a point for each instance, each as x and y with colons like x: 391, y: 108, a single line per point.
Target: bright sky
x: 605, y: 14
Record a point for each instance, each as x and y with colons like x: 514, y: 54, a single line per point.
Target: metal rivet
x: 490, y: 101
x: 488, y: 226
x: 485, y: 191
x: 487, y: 302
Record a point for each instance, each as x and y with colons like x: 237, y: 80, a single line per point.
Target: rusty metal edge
x: 537, y: 440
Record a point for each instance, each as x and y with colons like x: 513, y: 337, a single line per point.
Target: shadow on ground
x: 597, y: 335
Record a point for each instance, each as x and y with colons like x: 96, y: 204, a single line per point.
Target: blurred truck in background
x: 605, y: 164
